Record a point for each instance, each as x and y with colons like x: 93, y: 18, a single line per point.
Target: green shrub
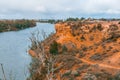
x: 54, y: 48
x: 99, y: 27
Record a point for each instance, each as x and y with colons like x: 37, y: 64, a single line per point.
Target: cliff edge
x: 83, y: 51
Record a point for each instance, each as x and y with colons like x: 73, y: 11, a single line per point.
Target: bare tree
x: 45, y: 61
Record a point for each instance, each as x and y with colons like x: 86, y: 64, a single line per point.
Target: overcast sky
x: 12, y: 9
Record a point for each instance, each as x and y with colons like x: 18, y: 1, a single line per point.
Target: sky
x: 59, y: 9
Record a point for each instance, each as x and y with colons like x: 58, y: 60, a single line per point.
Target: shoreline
x: 16, y: 25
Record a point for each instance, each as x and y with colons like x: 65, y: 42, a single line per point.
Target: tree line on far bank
x: 14, y: 25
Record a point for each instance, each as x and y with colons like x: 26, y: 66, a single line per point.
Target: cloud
x: 58, y: 8
x: 101, y: 6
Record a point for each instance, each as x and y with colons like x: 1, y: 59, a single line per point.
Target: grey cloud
x: 58, y: 8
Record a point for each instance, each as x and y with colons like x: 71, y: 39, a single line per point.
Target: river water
x: 13, y: 51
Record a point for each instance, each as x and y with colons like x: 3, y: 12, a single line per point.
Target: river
x: 13, y: 51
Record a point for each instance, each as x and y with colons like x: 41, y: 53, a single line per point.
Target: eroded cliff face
x: 87, y: 33
x: 95, y: 43
x: 92, y: 50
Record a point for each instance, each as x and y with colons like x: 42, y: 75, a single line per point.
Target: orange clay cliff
x: 88, y: 50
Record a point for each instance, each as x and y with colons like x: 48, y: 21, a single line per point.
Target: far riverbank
x: 15, y: 25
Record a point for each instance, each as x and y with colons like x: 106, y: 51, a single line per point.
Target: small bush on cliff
x: 113, y: 27
x: 91, y: 38
x: 99, y: 27
x: 82, y: 38
x: 54, y: 48
x: 96, y: 56
x: 64, y: 48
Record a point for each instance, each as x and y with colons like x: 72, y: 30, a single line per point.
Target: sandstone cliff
x: 92, y: 50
